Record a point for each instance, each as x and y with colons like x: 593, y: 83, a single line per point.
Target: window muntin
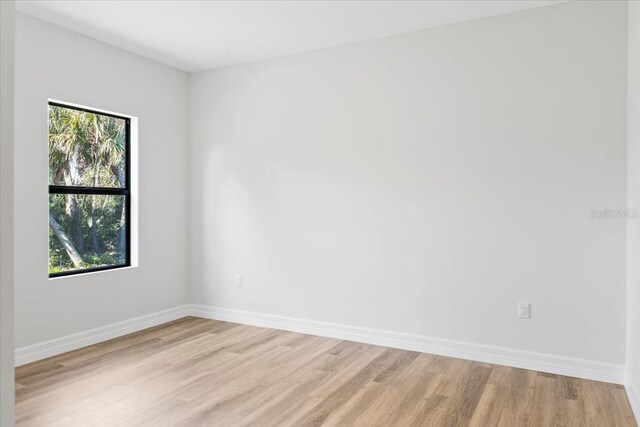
x: 89, y: 190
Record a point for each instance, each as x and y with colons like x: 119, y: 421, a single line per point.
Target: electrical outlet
x: 238, y: 281
x: 524, y: 310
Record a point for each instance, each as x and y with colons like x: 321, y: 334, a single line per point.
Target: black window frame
x: 102, y: 191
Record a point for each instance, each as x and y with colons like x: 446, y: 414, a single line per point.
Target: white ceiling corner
x: 199, y: 35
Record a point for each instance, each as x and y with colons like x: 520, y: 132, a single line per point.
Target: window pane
x: 86, y: 149
x: 86, y: 231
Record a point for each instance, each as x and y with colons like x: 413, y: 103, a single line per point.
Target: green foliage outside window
x: 86, y: 150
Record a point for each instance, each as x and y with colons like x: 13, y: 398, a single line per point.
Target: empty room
x: 320, y: 213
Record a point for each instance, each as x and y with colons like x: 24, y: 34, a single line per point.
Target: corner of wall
x: 632, y: 374
x: 6, y: 214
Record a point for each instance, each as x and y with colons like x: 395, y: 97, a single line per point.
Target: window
x: 89, y: 194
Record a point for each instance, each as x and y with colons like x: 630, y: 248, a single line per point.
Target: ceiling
x: 200, y: 35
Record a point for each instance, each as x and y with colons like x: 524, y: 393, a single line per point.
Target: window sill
x: 89, y: 272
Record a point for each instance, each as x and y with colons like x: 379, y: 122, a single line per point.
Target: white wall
x: 55, y: 63
x: 633, y: 227
x: 6, y: 213
x: 424, y: 183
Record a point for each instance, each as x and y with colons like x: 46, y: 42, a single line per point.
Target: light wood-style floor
x: 197, y: 372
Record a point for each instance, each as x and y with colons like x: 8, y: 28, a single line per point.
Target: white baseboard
x: 634, y: 400
x: 483, y: 353
x: 561, y: 365
x: 32, y: 353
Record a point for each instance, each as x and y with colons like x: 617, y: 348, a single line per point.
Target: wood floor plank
x: 402, y: 400
x: 199, y: 372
